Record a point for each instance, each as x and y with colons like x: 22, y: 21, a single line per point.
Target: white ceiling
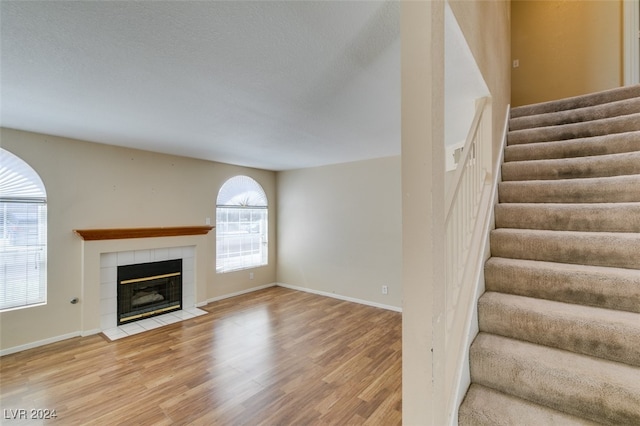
x: 271, y: 84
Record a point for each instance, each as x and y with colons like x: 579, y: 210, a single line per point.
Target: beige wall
x: 98, y: 186
x: 486, y: 26
x: 422, y: 207
x: 339, y: 230
x: 565, y: 48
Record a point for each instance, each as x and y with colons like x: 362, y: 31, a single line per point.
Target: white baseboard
x: 38, y: 343
x: 238, y: 293
x: 91, y: 332
x: 341, y: 297
x: 214, y: 299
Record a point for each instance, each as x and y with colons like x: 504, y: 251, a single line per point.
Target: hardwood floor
x: 272, y: 357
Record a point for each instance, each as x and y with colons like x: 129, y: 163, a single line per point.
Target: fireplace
x: 148, y: 289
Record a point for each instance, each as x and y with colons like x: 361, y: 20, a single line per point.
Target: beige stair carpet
x: 559, y: 340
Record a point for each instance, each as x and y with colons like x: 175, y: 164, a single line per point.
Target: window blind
x: 23, y: 234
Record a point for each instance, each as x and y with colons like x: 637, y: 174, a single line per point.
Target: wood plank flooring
x: 271, y: 357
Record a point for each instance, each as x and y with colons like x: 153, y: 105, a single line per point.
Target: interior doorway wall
x: 563, y: 48
x: 631, y: 42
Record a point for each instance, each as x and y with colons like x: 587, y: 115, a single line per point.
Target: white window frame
x: 23, y: 235
x: 241, y: 225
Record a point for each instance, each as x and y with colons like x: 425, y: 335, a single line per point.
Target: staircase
x: 559, y: 340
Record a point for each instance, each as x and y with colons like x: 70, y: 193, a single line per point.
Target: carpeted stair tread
x: 600, y: 286
x: 580, y: 101
x: 625, y: 123
x: 602, y: 333
x: 612, y: 249
x: 559, y: 321
x: 484, y: 406
x: 576, y: 384
x: 573, y: 168
x: 593, y: 112
x: 622, y: 189
x: 603, y: 217
x: 581, y: 147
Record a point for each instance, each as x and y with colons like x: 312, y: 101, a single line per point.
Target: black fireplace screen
x: 149, y: 289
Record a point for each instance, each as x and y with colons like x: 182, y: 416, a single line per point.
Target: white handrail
x: 467, y: 204
x: 469, y: 141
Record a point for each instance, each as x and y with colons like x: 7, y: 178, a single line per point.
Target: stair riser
x: 597, y: 112
x: 622, y: 124
x: 599, y: 145
x: 610, y: 289
x: 566, y: 217
x: 621, y: 189
x: 581, y: 101
x: 588, y: 331
x: 486, y: 407
x: 587, y: 167
x: 560, y: 321
x: 612, y: 250
x: 558, y: 379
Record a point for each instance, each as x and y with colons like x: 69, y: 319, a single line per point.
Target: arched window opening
x: 23, y: 234
x: 241, y: 225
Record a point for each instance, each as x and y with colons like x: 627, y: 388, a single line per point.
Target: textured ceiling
x: 270, y: 84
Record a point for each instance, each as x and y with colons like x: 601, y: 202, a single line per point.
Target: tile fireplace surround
x: 109, y: 263
x: 100, y: 260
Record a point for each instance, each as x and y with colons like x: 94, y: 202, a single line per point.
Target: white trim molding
x: 239, y: 293
x: 341, y: 297
x: 226, y: 296
x: 38, y: 343
x: 472, y: 328
x: 631, y: 42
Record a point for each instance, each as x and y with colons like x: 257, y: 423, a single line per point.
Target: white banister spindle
x: 464, y: 220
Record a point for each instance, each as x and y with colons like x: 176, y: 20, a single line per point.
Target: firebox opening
x: 149, y: 289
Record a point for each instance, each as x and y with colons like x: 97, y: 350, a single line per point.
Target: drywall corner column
x: 422, y: 26
x: 631, y: 11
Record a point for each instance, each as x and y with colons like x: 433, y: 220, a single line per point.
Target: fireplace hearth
x: 148, y: 289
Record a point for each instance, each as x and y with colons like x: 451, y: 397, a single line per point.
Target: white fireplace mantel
x: 95, y: 251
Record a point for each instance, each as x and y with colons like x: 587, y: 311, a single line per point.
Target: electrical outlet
x: 516, y: 63
x: 207, y: 221
x: 385, y: 289
x: 250, y: 275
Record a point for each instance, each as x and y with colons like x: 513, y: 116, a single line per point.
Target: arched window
x: 23, y: 234
x: 241, y: 225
